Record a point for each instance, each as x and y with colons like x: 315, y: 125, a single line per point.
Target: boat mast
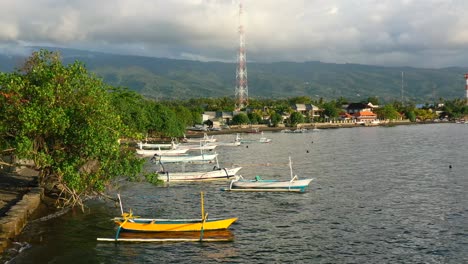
x: 290, y: 167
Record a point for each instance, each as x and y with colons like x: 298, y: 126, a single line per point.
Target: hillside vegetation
x: 164, y: 79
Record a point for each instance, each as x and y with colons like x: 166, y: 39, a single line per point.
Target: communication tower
x: 242, y: 89
x: 466, y: 88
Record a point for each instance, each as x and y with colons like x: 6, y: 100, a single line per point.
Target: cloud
x: 429, y: 33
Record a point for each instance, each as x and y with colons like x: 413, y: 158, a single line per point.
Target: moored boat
x: 185, y: 158
x: 261, y: 185
x: 160, y: 152
x: 204, y: 139
x: 129, y: 222
x: 215, y: 174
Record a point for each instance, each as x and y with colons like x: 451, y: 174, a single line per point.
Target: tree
x: 275, y: 119
x: 62, y: 119
x: 240, y: 119
x: 254, y: 118
x: 296, y: 118
x: 387, y: 112
x: 330, y: 110
x: 164, y: 121
x: 130, y: 107
x: 411, y: 116
x: 373, y: 100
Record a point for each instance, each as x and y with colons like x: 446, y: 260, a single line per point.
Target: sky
x: 417, y: 33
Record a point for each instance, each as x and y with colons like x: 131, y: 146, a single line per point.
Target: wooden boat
x: 229, y: 144
x: 260, y: 185
x: 204, y: 139
x: 146, y: 145
x: 185, y: 158
x: 260, y: 140
x: 236, y: 143
x: 161, y: 152
x: 209, y: 146
x: 264, y: 140
x: 129, y: 222
x: 215, y: 174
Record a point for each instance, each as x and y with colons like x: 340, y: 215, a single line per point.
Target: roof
x: 305, y: 107
x: 345, y: 115
x: 365, y: 114
x: 357, y: 106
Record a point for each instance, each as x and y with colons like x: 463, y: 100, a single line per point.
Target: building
x: 307, y: 110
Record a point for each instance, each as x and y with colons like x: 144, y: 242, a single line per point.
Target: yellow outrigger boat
x: 129, y: 222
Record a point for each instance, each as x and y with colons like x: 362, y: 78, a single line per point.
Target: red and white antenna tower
x: 242, y: 89
x: 466, y: 88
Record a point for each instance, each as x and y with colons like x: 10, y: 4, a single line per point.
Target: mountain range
x: 167, y: 79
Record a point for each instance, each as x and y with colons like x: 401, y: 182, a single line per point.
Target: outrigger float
x: 170, y: 230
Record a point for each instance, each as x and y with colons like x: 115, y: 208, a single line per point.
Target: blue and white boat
x: 260, y: 185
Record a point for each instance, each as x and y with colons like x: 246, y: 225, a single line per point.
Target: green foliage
x: 275, y: 119
x: 153, y: 178
x: 166, y: 79
x: 387, y: 112
x: 300, y: 100
x: 411, y: 116
x: 130, y: 105
x: 296, y: 118
x: 62, y: 118
x: 240, y: 119
x: 331, y: 110
x: 373, y: 100
x: 163, y: 121
x: 455, y: 109
x: 425, y: 114
x: 255, y: 118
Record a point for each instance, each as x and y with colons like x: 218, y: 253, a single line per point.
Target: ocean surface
x: 380, y: 195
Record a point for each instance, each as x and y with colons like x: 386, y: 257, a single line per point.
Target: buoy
x: 450, y: 166
x: 307, y: 151
x: 247, y: 146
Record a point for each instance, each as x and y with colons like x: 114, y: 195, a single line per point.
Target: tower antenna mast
x: 466, y: 89
x: 242, y: 90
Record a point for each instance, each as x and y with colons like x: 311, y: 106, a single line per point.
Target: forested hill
x: 182, y: 79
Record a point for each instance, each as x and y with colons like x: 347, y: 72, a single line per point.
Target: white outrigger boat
x: 260, y: 185
x: 146, y: 145
x: 161, y: 152
x: 185, y: 158
x: 213, y: 175
x: 204, y: 139
x: 217, y: 173
x: 237, y: 142
x: 209, y: 146
x: 262, y: 139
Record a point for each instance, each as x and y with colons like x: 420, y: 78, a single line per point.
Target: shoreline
x: 265, y: 128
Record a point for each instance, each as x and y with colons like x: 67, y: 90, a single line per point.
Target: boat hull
x: 151, y: 152
x: 171, y: 225
x: 219, y: 174
x: 198, y: 147
x: 186, y: 158
x: 270, y: 185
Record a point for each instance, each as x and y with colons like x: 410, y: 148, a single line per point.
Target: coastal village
x: 68, y: 138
